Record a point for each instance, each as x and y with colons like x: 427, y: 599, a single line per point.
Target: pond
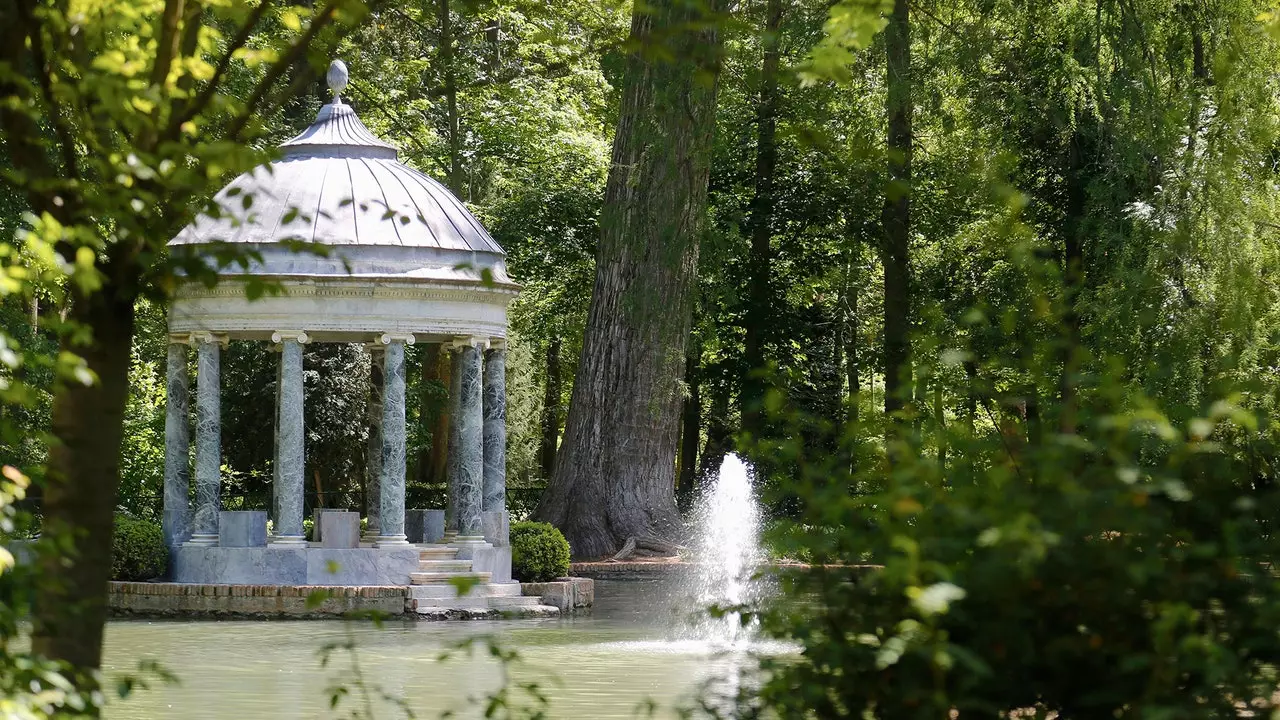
x: 627, y: 652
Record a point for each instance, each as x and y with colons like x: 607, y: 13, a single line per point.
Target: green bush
x: 138, y: 551
x: 539, y: 552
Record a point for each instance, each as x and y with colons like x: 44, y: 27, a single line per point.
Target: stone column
x: 373, y: 448
x: 177, y: 449
x: 291, y: 448
x: 495, y: 429
x: 208, y: 438
x: 470, y: 445
x: 391, y: 517
x: 455, y: 415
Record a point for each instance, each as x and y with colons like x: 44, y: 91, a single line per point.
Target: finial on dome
x: 337, y: 78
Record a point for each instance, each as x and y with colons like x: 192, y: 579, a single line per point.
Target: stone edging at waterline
x: 193, y: 600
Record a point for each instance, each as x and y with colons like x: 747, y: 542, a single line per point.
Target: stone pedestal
x: 242, y: 528
x: 338, y: 529
x: 424, y: 526
x: 497, y: 527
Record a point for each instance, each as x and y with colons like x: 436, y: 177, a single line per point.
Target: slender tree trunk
x: 551, y: 409
x: 434, y: 405
x: 614, y: 479
x: 441, y: 367
x: 896, y: 216
x: 718, y: 435
x: 456, y: 178
x: 80, y: 491
x: 852, y: 368
x: 690, y: 430
x: 760, y: 268
x: 1073, y: 281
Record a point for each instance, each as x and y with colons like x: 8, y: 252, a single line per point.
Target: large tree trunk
x: 551, y: 410
x: 614, y: 478
x: 896, y: 216
x: 690, y: 430
x: 760, y: 267
x: 80, y: 489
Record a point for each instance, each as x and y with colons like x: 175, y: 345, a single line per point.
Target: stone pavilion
x: 361, y: 249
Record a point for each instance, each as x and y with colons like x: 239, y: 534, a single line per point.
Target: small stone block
x: 497, y: 527
x: 424, y: 526
x: 339, y: 529
x: 242, y: 528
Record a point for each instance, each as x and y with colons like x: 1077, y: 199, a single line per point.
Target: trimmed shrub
x: 138, y: 551
x: 539, y: 552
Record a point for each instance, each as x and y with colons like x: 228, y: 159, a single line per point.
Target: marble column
x: 455, y: 415
x: 208, y: 439
x: 177, y: 449
x: 495, y: 429
x: 275, y: 450
x: 291, y: 449
x: 391, y: 517
x: 373, y: 448
x: 470, y: 446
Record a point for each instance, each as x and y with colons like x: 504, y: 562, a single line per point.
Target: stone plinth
x: 242, y: 529
x: 424, y: 526
x: 497, y: 527
x: 486, y: 558
x: 294, y: 565
x: 338, y: 529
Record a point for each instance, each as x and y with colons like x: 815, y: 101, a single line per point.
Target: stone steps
x: 444, y: 578
x: 441, y: 600
x: 437, y: 552
x: 444, y: 566
x: 445, y: 590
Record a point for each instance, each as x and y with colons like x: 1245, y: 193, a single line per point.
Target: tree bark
x: 551, y: 410
x: 690, y: 430
x: 80, y: 490
x: 614, y: 478
x: 434, y: 461
x: 756, y: 320
x: 896, y: 215
x: 852, y: 369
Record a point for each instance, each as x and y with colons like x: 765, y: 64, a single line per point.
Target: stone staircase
x: 434, y: 589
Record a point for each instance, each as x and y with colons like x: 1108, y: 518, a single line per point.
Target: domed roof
x: 337, y: 183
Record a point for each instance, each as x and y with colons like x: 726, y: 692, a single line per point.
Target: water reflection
x: 600, y: 666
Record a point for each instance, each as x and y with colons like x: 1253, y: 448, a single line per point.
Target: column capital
x: 464, y: 341
x: 497, y: 343
x: 196, y: 338
x: 388, y: 338
x: 280, y: 336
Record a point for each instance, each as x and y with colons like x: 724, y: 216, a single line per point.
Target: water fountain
x: 726, y: 556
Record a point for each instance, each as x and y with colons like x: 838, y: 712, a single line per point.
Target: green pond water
x: 630, y: 650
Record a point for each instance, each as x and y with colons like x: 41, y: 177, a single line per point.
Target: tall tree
x: 113, y: 123
x: 614, y: 479
x: 896, y: 216
x: 759, y: 268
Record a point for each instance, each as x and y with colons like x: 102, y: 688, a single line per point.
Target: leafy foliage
x: 138, y: 551
x: 539, y: 552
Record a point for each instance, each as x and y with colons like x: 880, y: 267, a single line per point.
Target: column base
x: 449, y: 536
x: 289, y: 540
x: 370, y: 537
x: 469, y: 546
x: 203, y: 540
x: 391, y: 541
